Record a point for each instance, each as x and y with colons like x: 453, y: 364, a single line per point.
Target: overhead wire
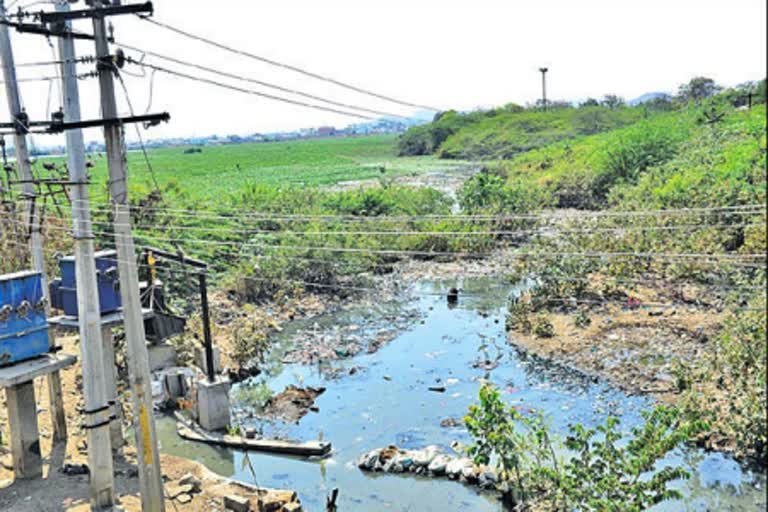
x: 260, y: 82
x: 247, y: 91
x: 239, y: 214
x: 285, y: 66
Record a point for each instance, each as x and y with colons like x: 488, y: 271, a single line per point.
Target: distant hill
x: 647, y: 97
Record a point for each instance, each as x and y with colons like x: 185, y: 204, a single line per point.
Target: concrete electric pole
x: 150, y: 474
x: 28, y: 189
x: 544, y: 87
x: 95, y: 368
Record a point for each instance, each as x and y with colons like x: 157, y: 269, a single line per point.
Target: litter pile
x: 430, y: 462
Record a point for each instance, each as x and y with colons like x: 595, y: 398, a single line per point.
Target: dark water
x: 388, y: 402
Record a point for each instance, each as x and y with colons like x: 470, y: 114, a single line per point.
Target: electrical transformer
x: 64, y: 290
x: 23, y: 326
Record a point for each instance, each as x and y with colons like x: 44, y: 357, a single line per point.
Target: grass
x: 220, y: 171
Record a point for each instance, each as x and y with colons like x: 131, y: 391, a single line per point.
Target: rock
x: 455, y: 468
x: 190, y: 479
x: 75, y: 469
x: 438, y: 465
x: 368, y: 460
x: 423, y: 458
x: 183, y: 498
x: 470, y: 473
x: 488, y: 478
x: 450, y: 422
x: 237, y: 503
x: 175, y: 490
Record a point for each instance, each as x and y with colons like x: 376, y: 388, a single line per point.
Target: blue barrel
x: 23, y: 326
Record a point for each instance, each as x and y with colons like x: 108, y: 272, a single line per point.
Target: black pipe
x: 206, y: 329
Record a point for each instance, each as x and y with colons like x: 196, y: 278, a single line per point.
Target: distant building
x: 326, y: 131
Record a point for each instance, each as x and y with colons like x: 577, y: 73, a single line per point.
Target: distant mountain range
x: 649, y: 96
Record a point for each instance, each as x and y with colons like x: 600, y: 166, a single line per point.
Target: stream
x: 385, y: 400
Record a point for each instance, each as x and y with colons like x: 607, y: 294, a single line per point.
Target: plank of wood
x: 305, y: 449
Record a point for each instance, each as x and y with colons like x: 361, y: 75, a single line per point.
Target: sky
x: 445, y: 54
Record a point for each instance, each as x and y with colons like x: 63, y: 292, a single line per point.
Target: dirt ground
x: 639, y: 348
x: 60, y: 492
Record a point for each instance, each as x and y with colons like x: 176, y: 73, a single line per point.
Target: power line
x: 260, y: 82
x: 238, y: 215
x: 285, y: 66
x: 247, y: 91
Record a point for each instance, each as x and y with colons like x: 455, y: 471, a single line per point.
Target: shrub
x: 603, y: 471
x: 542, y: 327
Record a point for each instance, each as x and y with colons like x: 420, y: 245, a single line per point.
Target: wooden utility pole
x: 28, y: 189
x: 95, y: 381
x: 150, y: 474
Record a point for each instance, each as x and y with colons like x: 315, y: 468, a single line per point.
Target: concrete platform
x: 22, y: 410
x: 25, y: 371
x: 305, y: 449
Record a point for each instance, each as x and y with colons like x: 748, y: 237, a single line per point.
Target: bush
x: 542, y: 327
x: 602, y: 471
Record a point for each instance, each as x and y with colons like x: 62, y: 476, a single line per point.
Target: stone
x: 488, y: 478
x: 439, y: 464
x: 368, y: 460
x: 183, y: 498
x: 455, y: 468
x: 174, y: 490
x: 237, y: 503
x: 190, y: 479
x: 424, y: 457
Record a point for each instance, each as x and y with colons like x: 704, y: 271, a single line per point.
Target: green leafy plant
x: 582, y: 319
x: 604, y: 470
x: 542, y: 327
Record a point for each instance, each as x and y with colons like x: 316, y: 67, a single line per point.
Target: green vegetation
x: 506, y: 132
x: 593, y: 470
x: 216, y: 172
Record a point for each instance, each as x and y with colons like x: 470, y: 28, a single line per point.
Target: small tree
x: 589, y: 102
x: 698, y: 88
x: 612, y: 101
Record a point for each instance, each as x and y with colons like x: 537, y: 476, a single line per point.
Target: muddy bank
x: 640, y: 351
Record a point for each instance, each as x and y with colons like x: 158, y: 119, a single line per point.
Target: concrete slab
x: 25, y: 371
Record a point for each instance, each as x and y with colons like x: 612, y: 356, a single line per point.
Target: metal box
x: 23, y: 326
x: 64, y: 290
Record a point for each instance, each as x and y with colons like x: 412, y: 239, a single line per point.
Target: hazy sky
x: 444, y: 53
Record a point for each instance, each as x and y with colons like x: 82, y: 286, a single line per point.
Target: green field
x: 220, y: 171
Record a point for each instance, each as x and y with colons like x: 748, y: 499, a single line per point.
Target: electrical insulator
x: 23, y: 309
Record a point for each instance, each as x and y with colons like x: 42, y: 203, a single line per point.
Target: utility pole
x: 28, y: 189
x: 544, y: 87
x: 99, y: 424
x: 150, y: 474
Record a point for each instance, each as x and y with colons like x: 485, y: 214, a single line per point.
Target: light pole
x: 544, y: 87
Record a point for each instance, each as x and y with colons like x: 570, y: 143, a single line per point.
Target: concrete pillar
x: 213, y: 404
x: 25, y: 440
x: 110, y: 381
